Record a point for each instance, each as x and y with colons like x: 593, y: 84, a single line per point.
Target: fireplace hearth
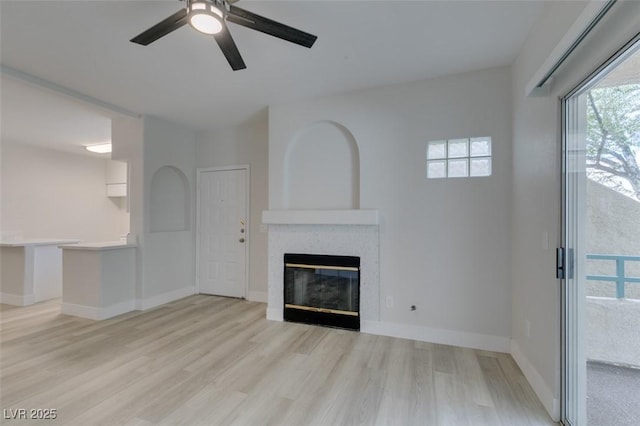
x: 322, y: 290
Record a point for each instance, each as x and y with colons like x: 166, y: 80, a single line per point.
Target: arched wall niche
x: 170, y: 201
x: 322, y: 169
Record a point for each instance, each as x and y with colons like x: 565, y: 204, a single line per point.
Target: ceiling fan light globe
x: 206, y: 24
x: 205, y: 17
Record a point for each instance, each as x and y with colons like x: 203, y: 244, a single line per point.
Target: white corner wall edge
x: 93, y: 313
x: 544, y: 393
x: 161, y: 299
x: 275, y: 314
x: 321, y: 217
x: 590, y: 12
x: 257, y: 296
x: 17, y: 300
x: 83, y: 311
x: 436, y: 335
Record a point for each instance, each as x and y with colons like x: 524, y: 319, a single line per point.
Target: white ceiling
x: 43, y: 118
x: 184, y: 78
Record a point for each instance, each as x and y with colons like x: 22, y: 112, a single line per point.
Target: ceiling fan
x: 211, y: 17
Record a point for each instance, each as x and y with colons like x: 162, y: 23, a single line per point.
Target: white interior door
x: 222, y: 232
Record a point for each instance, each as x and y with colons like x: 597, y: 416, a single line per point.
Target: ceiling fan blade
x: 259, y: 23
x: 229, y: 48
x: 162, y: 28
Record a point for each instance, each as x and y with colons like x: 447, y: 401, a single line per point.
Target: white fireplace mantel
x: 321, y: 217
x: 328, y: 232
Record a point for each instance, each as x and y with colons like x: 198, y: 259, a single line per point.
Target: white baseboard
x: 82, y: 311
x: 257, y: 296
x: 17, y: 300
x: 161, y: 299
x: 542, y: 390
x: 118, y: 309
x: 275, y: 314
x: 436, y: 335
x: 91, y: 312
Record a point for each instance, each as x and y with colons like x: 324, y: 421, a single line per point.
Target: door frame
x: 572, y: 378
x: 199, y: 172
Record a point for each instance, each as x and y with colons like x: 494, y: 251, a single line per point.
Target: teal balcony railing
x: 619, y: 278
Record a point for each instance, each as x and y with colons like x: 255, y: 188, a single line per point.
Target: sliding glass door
x: 600, y: 261
x: 571, y: 262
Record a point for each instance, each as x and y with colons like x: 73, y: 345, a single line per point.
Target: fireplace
x: 322, y: 289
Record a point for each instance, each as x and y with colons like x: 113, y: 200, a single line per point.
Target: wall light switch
x: 389, y: 301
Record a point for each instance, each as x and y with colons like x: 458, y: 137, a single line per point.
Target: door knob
x: 241, y: 240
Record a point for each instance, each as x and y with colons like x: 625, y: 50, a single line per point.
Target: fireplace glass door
x: 321, y: 288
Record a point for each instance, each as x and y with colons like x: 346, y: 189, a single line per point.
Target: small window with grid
x: 455, y: 158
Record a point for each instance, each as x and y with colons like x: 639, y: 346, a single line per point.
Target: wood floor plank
x: 74, y: 397
x: 208, y: 407
x: 206, y: 360
x: 472, y: 377
x: 504, y: 398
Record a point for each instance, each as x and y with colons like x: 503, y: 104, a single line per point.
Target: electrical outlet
x: 527, y: 328
x: 389, y: 301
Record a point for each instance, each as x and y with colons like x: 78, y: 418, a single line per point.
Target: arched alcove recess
x: 170, y: 202
x: 322, y: 169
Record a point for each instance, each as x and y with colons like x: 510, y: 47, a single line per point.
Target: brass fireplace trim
x: 323, y: 310
x: 335, y: 268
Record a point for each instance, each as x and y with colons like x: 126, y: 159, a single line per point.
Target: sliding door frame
x: 571, y: 259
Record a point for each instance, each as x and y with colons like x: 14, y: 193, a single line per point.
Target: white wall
x: 48, y: 193
x: 537, y: 184
x: 168, y: 262
x: 323, y: 156
x: 613, y: 227
x: 245, y: 144
x: 444, y: 244
x: 127, y: 140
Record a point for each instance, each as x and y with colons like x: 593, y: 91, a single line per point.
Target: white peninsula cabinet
x: 98, y: 279
x: 31, y: 270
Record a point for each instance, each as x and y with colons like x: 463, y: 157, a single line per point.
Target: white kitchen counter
x: 36, y: 242
x: 31, y: 270
x: 108, y: 245
x: 98, y: 279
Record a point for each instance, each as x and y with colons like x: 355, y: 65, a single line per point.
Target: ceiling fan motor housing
x: 207, y: 16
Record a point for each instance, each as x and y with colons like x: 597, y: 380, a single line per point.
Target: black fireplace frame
x: 320, y: 316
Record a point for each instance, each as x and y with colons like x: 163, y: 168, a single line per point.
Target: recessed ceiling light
x: 102, y: 148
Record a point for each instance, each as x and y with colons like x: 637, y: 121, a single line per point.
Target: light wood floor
x: 207, y: 360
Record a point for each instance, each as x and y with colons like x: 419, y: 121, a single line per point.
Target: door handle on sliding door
x: 564, y: 263
x: 560, y: 264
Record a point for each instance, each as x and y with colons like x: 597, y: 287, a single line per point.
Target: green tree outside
x: 613, y: 137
